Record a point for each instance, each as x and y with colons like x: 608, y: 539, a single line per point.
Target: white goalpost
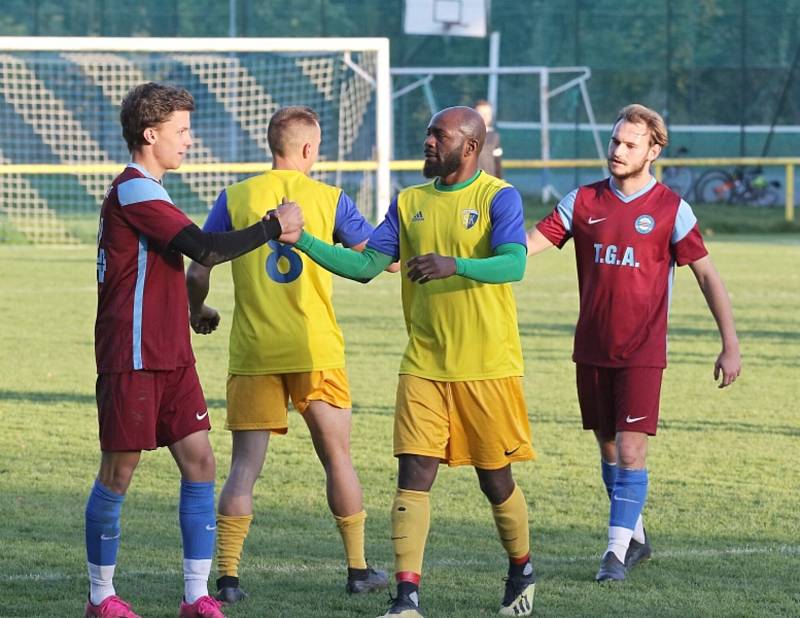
x: 61, y: 142
x: 577, y: 76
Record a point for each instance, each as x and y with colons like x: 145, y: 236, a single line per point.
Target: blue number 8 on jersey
x: 279, y: 250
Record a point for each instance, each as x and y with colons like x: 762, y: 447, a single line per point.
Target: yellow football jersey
x: 458, y: 329
x: 283, y: 320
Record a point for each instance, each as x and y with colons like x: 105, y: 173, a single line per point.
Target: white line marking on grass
x: 288, y: 568
x: 785, y: 550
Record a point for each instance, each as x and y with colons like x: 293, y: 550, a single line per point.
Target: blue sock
x: 102, y: 525
x: 628, y: 498
x: 199, y: 530
x: 198, y: 520
x: 609, y: 473
x: 627, y: 502
x: 102, y: 540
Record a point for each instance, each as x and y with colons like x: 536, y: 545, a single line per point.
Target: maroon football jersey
x: 626, y: 248
x: 142, y: 307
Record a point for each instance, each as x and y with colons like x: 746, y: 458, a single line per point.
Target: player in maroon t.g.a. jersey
x: 629, y: 233
x: 148, y: 393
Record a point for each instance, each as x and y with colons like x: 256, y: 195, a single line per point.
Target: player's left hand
x: 729, y: 365
x: 206, y: 321
x: 424, y: 268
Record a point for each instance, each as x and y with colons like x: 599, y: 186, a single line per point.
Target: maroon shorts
x: 142, y: 410
x: 619, y: 399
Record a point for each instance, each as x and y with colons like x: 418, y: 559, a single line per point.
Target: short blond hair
x: 655, y: 123
x: 283, y: 122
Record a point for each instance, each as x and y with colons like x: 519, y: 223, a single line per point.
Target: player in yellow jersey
x: 285, y: 343
x: 461, y: 239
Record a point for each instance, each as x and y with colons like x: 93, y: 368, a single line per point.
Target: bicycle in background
x: 679, y: 178
x: 743, y: 186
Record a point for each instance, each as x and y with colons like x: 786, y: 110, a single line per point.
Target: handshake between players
x: 290, y: 216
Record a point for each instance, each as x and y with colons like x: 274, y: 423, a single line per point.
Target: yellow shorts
x: 261, y: 402
x: 483, y: 423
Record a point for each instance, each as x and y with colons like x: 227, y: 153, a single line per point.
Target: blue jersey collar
x: 630, y: 198
x: 143, y: 171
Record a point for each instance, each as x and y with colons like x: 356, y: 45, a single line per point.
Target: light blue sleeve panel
x: 350, y: 227
x: 566, y: 208
x: 386, y: 237
x: 684, y: 222
x: 137, y: 190
x: 508, y: 222
x: 219, y: 219
x: 147, y: 207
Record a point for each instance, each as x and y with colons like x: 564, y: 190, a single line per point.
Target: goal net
x: 61, y: 143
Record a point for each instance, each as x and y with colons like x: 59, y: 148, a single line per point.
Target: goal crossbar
x: 377, y: 77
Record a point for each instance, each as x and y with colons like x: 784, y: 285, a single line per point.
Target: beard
x: 629, y: 174
x: 444, y: 166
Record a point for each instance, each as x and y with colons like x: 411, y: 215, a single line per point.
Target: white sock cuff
x: 101, y: 584
x: 195, y: 579
x: 618, y: 540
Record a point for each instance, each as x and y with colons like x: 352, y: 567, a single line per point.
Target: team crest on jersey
x: 644, y: 224
x: 469, y: 217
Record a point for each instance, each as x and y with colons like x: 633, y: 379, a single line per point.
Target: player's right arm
x: 359, y: 266
x: 382, y: 249
x: 352, y: 230
x: 537, y: 242
x: 555, y: 229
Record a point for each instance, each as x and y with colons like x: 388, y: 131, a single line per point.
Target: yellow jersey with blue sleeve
x: 283, y: 319
x: 459, y: 329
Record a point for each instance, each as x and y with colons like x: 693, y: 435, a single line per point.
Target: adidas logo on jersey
x: 418, y: 217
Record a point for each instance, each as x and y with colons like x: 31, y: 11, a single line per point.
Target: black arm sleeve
x: 210, y: 249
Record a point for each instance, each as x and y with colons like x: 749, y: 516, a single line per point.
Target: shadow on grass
x: 293, y: 562
x: 683, y: 425
x: 47, y: 397
x: 781, y: 336
x: 88, y: 399
x: 377, y: 410
x: 729, y: 426
x: 54, y: 397
x: 531, y: 329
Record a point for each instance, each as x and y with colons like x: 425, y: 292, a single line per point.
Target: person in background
x: 490, y: 159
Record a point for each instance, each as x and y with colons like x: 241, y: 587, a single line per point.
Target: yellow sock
x: 511, y: 519
x: 352, y: 530
x: 411, y: 520
x: 231, y: 532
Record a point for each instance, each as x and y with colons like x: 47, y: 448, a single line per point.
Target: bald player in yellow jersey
x: 461, y: 239
x: 285, y: 343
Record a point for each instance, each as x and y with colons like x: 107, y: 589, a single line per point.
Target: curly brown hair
x: 148, y: 105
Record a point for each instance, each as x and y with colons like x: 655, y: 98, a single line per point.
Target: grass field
x: 723, y: 510
x: 714, y: 219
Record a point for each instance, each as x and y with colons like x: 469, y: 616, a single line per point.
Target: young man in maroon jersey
x: 148, y: 393
x: 629, y: 233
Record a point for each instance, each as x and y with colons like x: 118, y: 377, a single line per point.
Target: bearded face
x: 630, y: 152
x: 622, y: 171
x: 440, y: 163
